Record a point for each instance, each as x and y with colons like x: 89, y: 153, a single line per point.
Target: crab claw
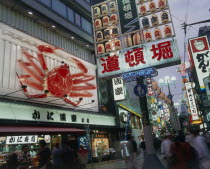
x: 47, y: 48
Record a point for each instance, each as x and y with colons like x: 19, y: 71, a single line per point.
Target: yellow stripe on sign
x: 129, y: 110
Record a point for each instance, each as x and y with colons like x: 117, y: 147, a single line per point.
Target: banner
x: 129, y: 19
x: 201, y: 55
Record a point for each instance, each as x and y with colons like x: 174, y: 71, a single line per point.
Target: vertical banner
x: 127, y: 126
x: 192, y: 103
x: 128, y: 16
x: 201, y: 55
x: 118, y: 88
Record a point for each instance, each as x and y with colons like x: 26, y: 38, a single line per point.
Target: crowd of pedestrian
x: 188, y: 151
x: 59, y: 158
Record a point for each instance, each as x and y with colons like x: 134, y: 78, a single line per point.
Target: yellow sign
x: 129, y: 110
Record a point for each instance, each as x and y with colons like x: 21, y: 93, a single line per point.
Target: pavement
x: 120, y: 164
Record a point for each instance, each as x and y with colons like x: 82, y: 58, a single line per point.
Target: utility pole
x: 151, y: 158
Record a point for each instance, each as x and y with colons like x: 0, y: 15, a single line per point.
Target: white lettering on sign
x: 118, y: 88
x: 21, y: 139
x: 191, y: 99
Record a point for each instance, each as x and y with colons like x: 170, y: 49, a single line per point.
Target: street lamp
x: 167, y: 81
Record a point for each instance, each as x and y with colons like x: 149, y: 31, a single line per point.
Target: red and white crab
x: 58, y: 82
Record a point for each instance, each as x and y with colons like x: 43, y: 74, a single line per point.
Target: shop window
x: 59, y: 7
x: 86, y: 26
x: 70, y: 14
x: 77, y: 19
x: 46, y: 2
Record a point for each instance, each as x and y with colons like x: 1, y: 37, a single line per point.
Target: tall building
x: 48, y: 80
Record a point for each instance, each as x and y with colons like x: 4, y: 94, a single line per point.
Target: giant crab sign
x: 58, y: 82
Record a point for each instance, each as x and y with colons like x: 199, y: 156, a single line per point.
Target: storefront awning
x: 13, y: 130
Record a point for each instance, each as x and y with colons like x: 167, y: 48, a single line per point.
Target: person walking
x: 43, y: 155
x: 181, y: 153
x: 83, y: 157
x: 57, y: 156
x: 143, y: 147
x: 199, y: 143
x: 67, y: 156
x: 166, y: 149
x: 134, y: 155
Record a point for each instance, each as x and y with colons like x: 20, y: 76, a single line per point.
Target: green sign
x: 128, y: 16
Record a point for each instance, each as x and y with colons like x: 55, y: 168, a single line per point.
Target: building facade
x: 60, y: 33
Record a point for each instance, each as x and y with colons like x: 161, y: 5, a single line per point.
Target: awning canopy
x: 13, y: 130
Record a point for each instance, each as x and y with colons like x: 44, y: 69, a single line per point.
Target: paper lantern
x: 162, y: 4
x: 158, y: 90
x: 164, y: 17
x: 115, y: 31
x: 154, y: 86
x: 158, y: 33
x: 98, y: 24
x: 136, y: 39
x: 167, y: 31
x: 114, y: 19
x: 107, y: 34
x: 162, y: 95
x: 108, y: 46
x: 143, y: 10
x: 112, y: 7
x: 128, y: 41
x: 117, y: 44
x: 99, y: 36
x: 154, y: 20
x: 152, y: 7
x: 105, y: 21
x: 145, y: 22
x: 147, y: 36
x: 165, y: 98
x: 104, y: 9
x: 96, y: 12
x: 100, y: 49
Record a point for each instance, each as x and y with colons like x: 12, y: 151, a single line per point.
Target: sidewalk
x: 119, y: 164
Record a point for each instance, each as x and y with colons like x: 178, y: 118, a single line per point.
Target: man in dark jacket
x: 68, y: 156
x: 44, y: 154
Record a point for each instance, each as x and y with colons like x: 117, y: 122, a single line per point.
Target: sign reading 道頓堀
x: 128, y: 16
x: 162, y: 54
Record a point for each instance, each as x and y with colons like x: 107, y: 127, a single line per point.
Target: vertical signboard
x: 118, y: 88
x: 192, y: 103
x: 129, y: 19
x: 201, y: 55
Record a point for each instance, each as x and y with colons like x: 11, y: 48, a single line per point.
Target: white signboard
x: 21, y: 139
x: 191, y: 100
x: 118, y: 88
x: 13, y: 111
x: 201, y: 55
x: 161, y: 54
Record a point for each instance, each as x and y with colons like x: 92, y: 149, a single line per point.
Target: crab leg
x: 25, y: 65
x: 74, y: 94
x: 32, y: 84
x: 83, y: 80
x: 42, y: 62
x: 72, y: 103
x: 30, y: 59
x: 25, y: 88
x: 88, y: 87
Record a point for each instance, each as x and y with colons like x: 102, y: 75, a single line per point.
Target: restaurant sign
x: 191, y: 100
x: 158, y: 55
x: 201, y: 54
x: 39, y: 114
x: 129, y: 19
x: 118, y: 88
x: 21, y: 139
